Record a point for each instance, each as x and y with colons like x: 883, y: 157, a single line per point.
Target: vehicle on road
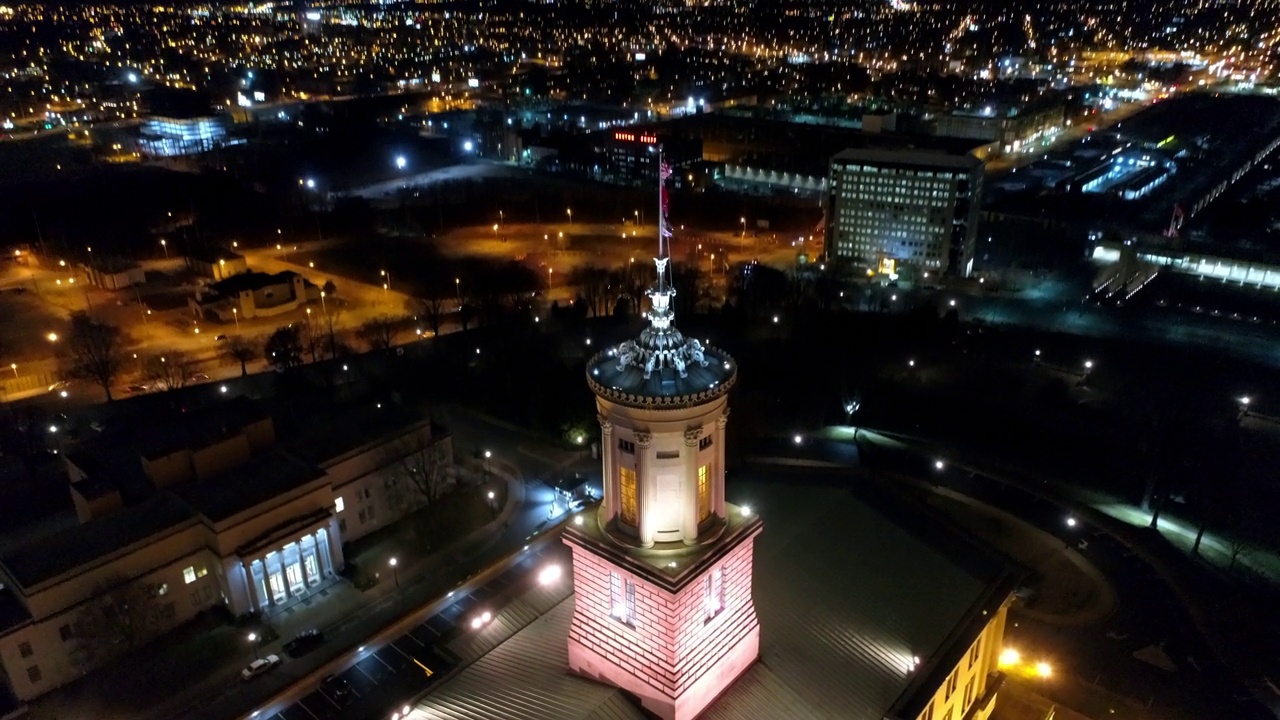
x: 259, y: 666
x: 135, y: 389
x: 199, y: 377
x: 338, y: 689
x: 60, y: 385
x: 221, y: 338
x: 303, y: 643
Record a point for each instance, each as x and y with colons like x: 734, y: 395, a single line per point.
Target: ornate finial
x: 661, y: 345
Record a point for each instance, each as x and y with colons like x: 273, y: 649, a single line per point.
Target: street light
x: 386, y: 286
x: 14, y: 368
x: 253, y: 640
x: 395, y: 571
x: 570, y: 211
x: 165, y: 245
x: 52, y: 337
x: 939, y: 465
x: 743, y: 220
x: 323, y: 305
x: 401, y: 162
x: 235, y: 313
x: 457, y: 288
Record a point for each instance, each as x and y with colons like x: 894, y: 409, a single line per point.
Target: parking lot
x: 386, y: 678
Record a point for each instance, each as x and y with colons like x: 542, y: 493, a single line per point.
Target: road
x: 1149, y: 621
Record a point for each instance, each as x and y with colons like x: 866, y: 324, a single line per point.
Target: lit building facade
x: 172, y: 136
x: 889, y: 208
x: 229, y: 519
x: 663, y: 567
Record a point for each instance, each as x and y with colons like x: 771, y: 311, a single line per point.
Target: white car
x: 259, y: 666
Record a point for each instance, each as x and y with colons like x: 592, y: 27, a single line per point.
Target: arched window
x: 704, y: 493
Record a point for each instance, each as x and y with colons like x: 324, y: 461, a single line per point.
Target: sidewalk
x: 198, y: 665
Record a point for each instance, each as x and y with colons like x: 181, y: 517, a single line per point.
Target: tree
x: 329, y: 289
x: 284, y: 347
x: 242, y: 350
x: 168, y: 371
x: 121, y: 616
x: 594, y: 283
x: 419, y: 470
x: 95, y: 351
x: 378, y: 332
x: 433, y: 308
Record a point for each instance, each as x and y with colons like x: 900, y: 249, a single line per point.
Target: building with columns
x: 662, y: 568
x: 208, y: 510
x: 859, y: 602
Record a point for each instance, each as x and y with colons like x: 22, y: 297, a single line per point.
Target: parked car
x: 259, y: 666
x: 303, y: 643
x: 338, y: 689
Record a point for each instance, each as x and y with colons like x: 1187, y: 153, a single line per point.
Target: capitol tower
x: 662, y: 568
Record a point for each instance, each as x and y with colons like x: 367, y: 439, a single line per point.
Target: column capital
x: 606, y: 425
x: 691, y: 436
x: 722, y: 420
x: 643, y: 438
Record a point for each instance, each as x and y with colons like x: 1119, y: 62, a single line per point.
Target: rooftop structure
x: 867, y: 607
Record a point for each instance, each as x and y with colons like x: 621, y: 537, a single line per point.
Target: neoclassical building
x: 206, y: 511
x: 662, y: 568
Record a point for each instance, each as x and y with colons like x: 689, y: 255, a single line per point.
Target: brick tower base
x: 674, y: 637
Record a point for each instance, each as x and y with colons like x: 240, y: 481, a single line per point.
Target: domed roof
x: 661, y: 367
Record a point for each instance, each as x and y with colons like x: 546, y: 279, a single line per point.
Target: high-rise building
x: 662, y: 569
x: 892, y: 208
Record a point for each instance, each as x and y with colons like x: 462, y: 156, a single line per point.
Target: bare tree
x: 242, y: 350
x: 433, y: 309
x: 121, y: 616
x: 418, y: 474
x: 95, y: 351
x: 378, y: 332
x: 284, y: 347
x: 168, y: 371
x: 594, y: 282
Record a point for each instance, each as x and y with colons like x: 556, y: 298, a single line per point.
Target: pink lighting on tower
x: 662, y: 568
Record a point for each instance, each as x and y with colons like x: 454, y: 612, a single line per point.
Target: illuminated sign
x: 473, y: 82
x: 888, y: 266
x: 632, y: 137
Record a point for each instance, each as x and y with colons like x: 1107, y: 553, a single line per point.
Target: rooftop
x: 910, y: 158
x: 51, y: 555
x: 849, y: 586
x: 251, y: 281
x: 626, y: 383
x: 268, y: 475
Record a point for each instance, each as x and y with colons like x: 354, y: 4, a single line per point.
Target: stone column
x: 689, y: 486
x: 646, y: 493
x: 609, y: 508
x: 717, y: 472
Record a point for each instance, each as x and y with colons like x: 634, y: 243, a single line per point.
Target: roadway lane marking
x: 306, y: 709
x: 325, y: 695
x: 374, y: 655
x: 365, y: 673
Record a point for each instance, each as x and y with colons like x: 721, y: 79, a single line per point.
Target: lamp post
x: 14, y: 368
x: 570, y: 211
x: 253, y: 641
x: 743, y: 220
x: 457, y: 288
x: 235, y: 313
x: 165, y: 245
x: 324, y: 307
x: 386, y: 286
x: 395, y: 571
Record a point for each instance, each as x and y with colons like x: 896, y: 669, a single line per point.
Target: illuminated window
x: 201, y: 572
x: 622, y: 599
x: 189, y: 574
x: 704, y: 494
x: 630, y: 514
x: 339, y: 505
x: 713, y: 592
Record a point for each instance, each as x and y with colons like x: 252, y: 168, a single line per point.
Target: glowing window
x: 630, y: 514
x: 189, y: 574
x: 339, y: 505
x: 622, y: 599
x: 713, y: 592
x: 704, y: 494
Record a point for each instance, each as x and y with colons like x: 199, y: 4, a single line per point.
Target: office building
x: 890, y: 209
